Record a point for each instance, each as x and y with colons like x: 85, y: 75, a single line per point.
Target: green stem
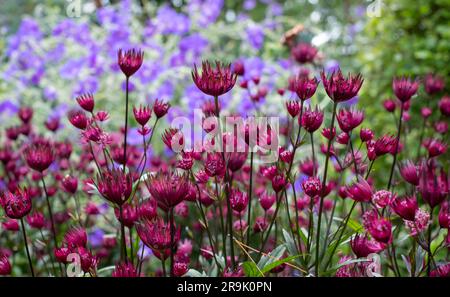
x: 396, y: 147
x: 26, y: 247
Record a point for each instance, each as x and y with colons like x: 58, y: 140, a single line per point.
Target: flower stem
x: 249, y: 210
x: 324, y: 183
x: 396, y: 147
x: 126, y: 125
x: 172, y: 235
x: 26, y: 247
x: 122, y: 228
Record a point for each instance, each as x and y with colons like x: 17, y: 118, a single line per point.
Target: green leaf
x: 277, y: 263
x: 250, y: 269
x: 194, y: 273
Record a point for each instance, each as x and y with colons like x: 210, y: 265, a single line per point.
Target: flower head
x: 433, y: 187
x: 410, y: 172
x: 304, y: 87
x: 130, y: 61
x: 214, y: 81
x: 86, y: 101
x: 384, y: 145
x: 360, y: 191
x: 404, y: 88
x: 142, y: 114
x: 362, y: 246
x: 380, y: 228
x: 36, y: 220
x: 214, y: 165
x: 293, y: 108
x: 125, y: 269
x: 5, y: 266
x: 156, y: 234
x: 349, y: 119
x: 160, y: 108
x: 39, y: 155
x: 168, y: 189
x: 405, y: 207
x: 311, y: 120
x: 304, y: 53
x: 17, y: 205
x: 238, y: 200
x: 340, y: 88
x: 78, y: 119
x: 70, y: 184
x: 312, y: 186
x: 76, y: 237
x: 433, y: 84
x: 115, y: 186
x: 174, y: 139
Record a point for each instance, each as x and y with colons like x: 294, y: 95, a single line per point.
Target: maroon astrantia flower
x: 39, y: 155
x: 36, y: 220
x: 384, y: 145
x: 5, y: 266
x: 214, y: 81
x: 349, y: 119
x: 70, y: 184
x: 293, y: 108
x: 130, y: 61
x: 382, y: 198
x: 304, y: 53
x: 52, y: 123
x: 304, y: 87
x: 380, y: 228
x: 311, y: 119
x: 160, y: 108
x: 115, y: 186
x: 125, y: 269
x: 340, y: 88
x: 168, y: 189
x: 404, y: 88
x: 362, y: 246
x: 312, y: 186
x: 433, y: 84
x: 238, y: 200
x: 25, y: 114
x: 174, y: 139
x: 308, y: 167
x: 360, y: 191
x: 266, y: 201
x: 155, y: 234
x: 129, y: 215
x: 444, y: 106
x: 17, y: 205
x: 142, y: 114
x: 214, y: 165
x: 78, y: 118
x: 441, y: 271
x: 405, y: 207
x: 410, y: 172
x: 366, y: 134
x: 279, y: 182
x: 444, y: 216
x: 86, y: 101
x: 435, y: 147
x: 433, y: 187
x: 75, y: 237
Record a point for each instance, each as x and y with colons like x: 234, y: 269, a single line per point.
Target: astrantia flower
x: 410, y: 172
x: 312, y: 186
x: 180, y: 269
x: 160, y: 108
x: 129, y: 215
x: 267, y: 200
x: 236, y: 160
x: 36, y: 220
x: 382, y: 198
x: 441, y: 271
x: 279, y: 182
x: 86, y: 101
x: 304, y: 87
x: 125, y: 269
x: 70, y: 184
x: 304, y: 53
x: 17, y: 205
x: 115, y: 186
x: 363, y: 246
x: 238, y: 200
x: 444, y: 216
x: 360, y: 191
x: 130, y: 61
x: 435, y: 148
x: 214, y: 81
x: 419, y: 223
x: 404, y: 88
x: 444, y: 106
x: 349, y: 119
x: 39, y: 156
x: 340, y: 88
x: 25, y: 114
x: 308, y: 167
x: 311, y: 119
x: 379, y: 228
x: 174, y: 139
x: 433, y: 84
x: 293, y: 108
x: 5, y: 266
x: 76, y: 237
x: 142, y: 114
x: 405, y: 207
x: 433, y: 187
x: 61, y: 254
x: 156, y: 234
x: 214, y: 165
x: 389, y: 105
x: 168, y: 189
x: 384, y: 145
x: 78, y: 119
